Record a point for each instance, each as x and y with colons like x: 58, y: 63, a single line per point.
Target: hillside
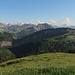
x: 5, y: 36
x: 43, y: 64
x: 45, y: 41
x: 43, y: 53
x: 41, y: 35
x: 6, y: 39
x: 5, y: 42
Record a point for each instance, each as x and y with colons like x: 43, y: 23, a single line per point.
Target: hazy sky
x: 12, y: 11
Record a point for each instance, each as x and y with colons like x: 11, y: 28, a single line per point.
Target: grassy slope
x: 43, y: 64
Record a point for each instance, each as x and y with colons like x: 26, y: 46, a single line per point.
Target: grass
x: 65, y: 37
x: 43, y: 64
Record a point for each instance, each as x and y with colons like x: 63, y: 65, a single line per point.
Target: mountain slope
x: 17, y: 28
x: 43, y: 34
x: 51, y: 40
x: 6, y: 39
x: 44, y: 26
x: 32, y: 29
x: 25, y: 32
x: 2, y: 27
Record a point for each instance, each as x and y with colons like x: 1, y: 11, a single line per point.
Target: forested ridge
x: 44, y: 41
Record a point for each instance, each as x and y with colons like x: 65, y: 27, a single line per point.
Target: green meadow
x: 42, y: 64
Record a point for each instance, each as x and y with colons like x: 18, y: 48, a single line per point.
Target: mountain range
x: 22, y: 30
x: 33, y: 39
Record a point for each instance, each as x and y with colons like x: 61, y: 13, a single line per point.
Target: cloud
x: 61, y: 22
x: 39, y: 22
x: 53, y: 22
x: 67, y: 21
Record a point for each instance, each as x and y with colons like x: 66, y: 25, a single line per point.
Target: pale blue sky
x: 31, y: 10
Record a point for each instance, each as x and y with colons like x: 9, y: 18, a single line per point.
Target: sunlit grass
x: 43, y: 64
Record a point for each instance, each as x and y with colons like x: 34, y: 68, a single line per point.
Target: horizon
x: 41, y: 11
